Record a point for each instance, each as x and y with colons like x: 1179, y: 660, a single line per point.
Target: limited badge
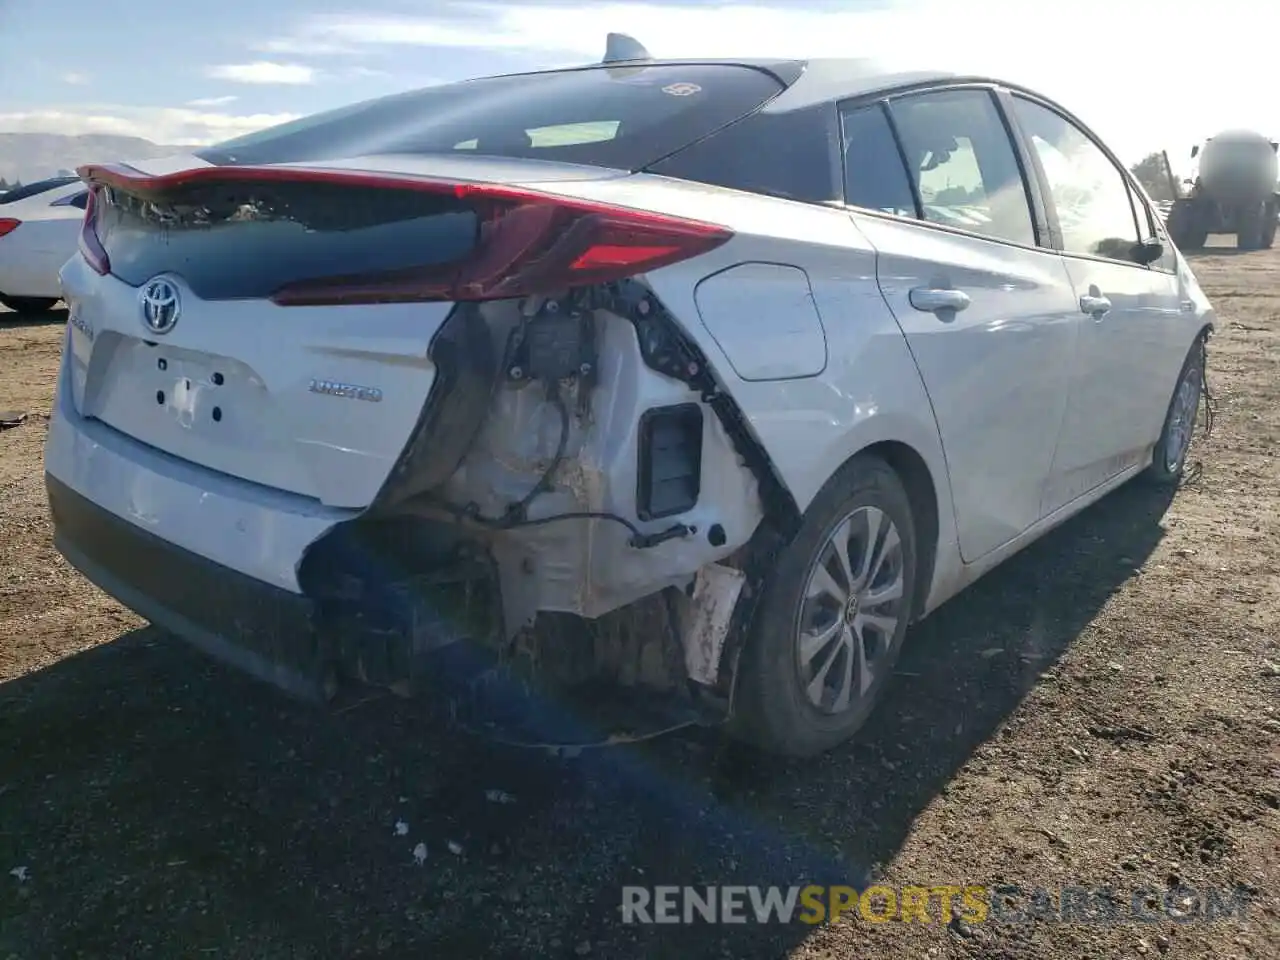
x: 682, y: 89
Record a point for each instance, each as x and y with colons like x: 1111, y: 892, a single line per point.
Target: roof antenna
x: 619, y: 48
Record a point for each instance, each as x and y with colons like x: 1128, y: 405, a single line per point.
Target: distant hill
x: 34, y: 156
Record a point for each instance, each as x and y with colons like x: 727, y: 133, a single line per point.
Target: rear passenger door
x: 989, y: 315
x: 1130, y: 349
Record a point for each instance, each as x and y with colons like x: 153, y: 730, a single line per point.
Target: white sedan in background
x: 39, y: 228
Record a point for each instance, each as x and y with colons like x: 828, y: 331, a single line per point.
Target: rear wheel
x: 1184, y: 227
x: 1269, y: 228
x: 833, y: 616
x: 29, y: 304
x: 1251, y: 229
x: 1170, y: 455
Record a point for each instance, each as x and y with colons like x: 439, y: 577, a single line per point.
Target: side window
x: 1089, y: 192
x: 964, y: 163
x: 775, y: 154
x: 874, y: 176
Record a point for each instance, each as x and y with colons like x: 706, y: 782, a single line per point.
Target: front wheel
x: 29, y: 304
x: 1170, y: 454
x: 833, y: 616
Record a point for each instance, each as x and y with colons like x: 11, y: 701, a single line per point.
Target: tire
x: 772, y: 708
x: 1251, y: 230
x: 1195, y: 241
x: 1269, y: 229
x: 1183, y: 227
x: 29, y: 304
x: 1170, y: 455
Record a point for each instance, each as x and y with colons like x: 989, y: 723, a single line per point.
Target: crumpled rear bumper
x: 302, y: 645
x: 262, y: 629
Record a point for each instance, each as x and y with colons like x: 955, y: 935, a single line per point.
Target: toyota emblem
x: 160, y: 305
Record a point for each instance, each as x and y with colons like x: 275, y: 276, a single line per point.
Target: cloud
x: 264, y: 72
x: 302, y: 46
x: 157, y: 124
x: 212, y: 101
x: 75, y: 79
x: 1125, y: 100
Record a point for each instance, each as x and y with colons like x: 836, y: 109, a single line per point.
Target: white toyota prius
x: 39, y: 225
x: 765, y: 359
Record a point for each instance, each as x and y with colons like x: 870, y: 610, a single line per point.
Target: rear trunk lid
x: 265, y: 307
x: 181, y: 347
x: 275, y: 323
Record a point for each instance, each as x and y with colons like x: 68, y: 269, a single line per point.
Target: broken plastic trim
x: 665, y: 349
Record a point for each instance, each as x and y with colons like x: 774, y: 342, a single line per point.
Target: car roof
x: 827, y: 79
x: 810, y: 81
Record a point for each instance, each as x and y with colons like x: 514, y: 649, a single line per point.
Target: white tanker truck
x: 1236, y: 192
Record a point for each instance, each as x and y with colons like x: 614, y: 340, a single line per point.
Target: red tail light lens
x: 8, y: 225
x: 90, y: 246
x: 529, y: 243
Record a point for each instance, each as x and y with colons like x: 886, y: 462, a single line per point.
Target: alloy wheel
x: 1182, y: 419
x: 853, y: 603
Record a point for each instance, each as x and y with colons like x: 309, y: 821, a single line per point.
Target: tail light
x: 90, y: 246
x: 8, y: 225
x: 529, y: 243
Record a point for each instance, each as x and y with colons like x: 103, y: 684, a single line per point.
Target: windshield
x: 619, y: 117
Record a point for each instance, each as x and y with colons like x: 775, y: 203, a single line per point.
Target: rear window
x: 620, y: 117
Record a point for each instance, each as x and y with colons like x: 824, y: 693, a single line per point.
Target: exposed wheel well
x: 923, y: 494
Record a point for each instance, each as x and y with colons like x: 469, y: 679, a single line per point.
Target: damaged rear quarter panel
x: 870, y: 389
x: 587, y: 566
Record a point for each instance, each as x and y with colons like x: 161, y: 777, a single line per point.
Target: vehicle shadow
x: 159, y: 799
x: 10, y: 320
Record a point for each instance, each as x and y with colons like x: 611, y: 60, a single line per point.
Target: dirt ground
x: 1104, y: 710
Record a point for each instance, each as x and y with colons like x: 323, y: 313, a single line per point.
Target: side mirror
x: 1195, y: 151
x: 1148, y: 251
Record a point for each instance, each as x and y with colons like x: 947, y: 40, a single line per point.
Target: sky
x: 1144, y: 75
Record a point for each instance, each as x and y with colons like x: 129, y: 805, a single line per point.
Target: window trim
x: 883, y: 100
x: 1051, y: 210
x: 1158, y: 231
x: 879, y: 103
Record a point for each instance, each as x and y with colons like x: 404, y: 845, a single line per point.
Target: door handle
x: 938, y: 299
x: 1094, y: 305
